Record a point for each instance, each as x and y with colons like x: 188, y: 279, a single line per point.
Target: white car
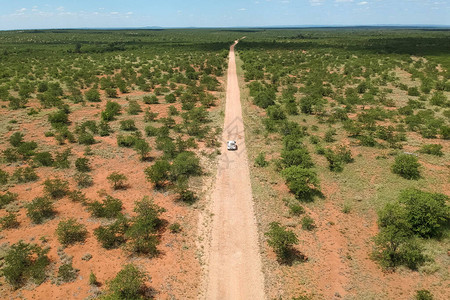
x: 231, y: 145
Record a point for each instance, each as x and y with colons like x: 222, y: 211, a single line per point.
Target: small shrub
x: 260, y: 160
x: 58, y: 119
x: 110, y: 208
x: 9, y: 221
x: 407, y: 166
x: 24, y: 175
x: 16, y: 139
x: 134, y: 108
x: 142, y: 232
x: 7, y: 198
x: 302, y: 182
x: 24, y: 261
x: 308, y: 223
x: 70, y: 232
x: 92, y: 95
x: 83, y: 180
x: 118, y: 180
x: 158, y: 173
x: 175, y: 228
x: 62, y: 159
x: 126, y: 140
x: 67, y: 273
x: 44, y: 159
x: 128, y: 283
x: 433, y: 149
x: 281, y: 240
x: 112, y: 236
x: 56, y: 188
x: 142, y: 148
x: 427, y: 213
x: 296, y: 209
x: 82, y: 164
x: 128, y: 125
x: 93, y: 279
x: 11, y: 155
x: 86, y: 138
x: 4, y: 177
x: 150, y: 99
x: 329, y: 136
x: 423, y: 295
x: 39, y: 209
x: 78, y: 196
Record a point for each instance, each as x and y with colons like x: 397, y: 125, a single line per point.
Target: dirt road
x: 235, y: 269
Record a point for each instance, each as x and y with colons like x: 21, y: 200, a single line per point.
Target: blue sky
x: 31, y: 14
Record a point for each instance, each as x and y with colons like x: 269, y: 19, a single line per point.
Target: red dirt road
x: 235, y: 268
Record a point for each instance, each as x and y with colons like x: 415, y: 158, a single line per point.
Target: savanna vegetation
x: 344, y: 125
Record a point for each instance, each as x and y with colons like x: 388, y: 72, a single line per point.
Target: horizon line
x: 239, y: 27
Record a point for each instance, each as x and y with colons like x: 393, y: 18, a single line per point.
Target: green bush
x: 86, y: 138
x: 128, y: 125
x: 25, y: 261
x: 92, y: 95
x: 126, y: 140
x: 281, y: 240
x: 142, y: 232
x: 39, y: 209
x: 9, y: 221
x: 43, y: 159
x: 118, y: 180
x: 133, y: 108
x: 308, y: 223
x: 158, y: 173
x: 423, y: 295
x: 70, y: 232
x: 93, y: 279
x: 26, y: 149
x: 78, y: 196
x: 24, y: 175
x: 427, y: 213
x: 4, y: 177
x: 407, y: 166
x: 67, y: 273
x: 62, y: 159
x: 184, y: 165
x: 112, y: 236
x: 112, y: 109
x: 58, y: 119
x: 175, y: 227
x: 16, y: 139
x: 110, y: 208
x: 150, y: 99
x: 111, y: 92
x: 10, y: 155
x: 302, y: 182
x: 260, y: 160
x: 395, y: 243
x: 142, y: 148
x: 433, y: 149
x: 83, y: 180
x: 82, y: 164
x: 296, y: 209
x: 56, y: 188
x: 7, y: 198
x: 128, y: 283
x: 297, y: 157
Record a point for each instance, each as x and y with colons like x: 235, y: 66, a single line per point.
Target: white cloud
x: 363, y: 3
x: 343, y: 1
x: 316, y: 2
x: 242, y: 9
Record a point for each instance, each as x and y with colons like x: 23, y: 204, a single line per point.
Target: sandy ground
x: 234, y: 269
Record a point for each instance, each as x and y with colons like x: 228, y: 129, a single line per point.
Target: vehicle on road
x: 231, y: 145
